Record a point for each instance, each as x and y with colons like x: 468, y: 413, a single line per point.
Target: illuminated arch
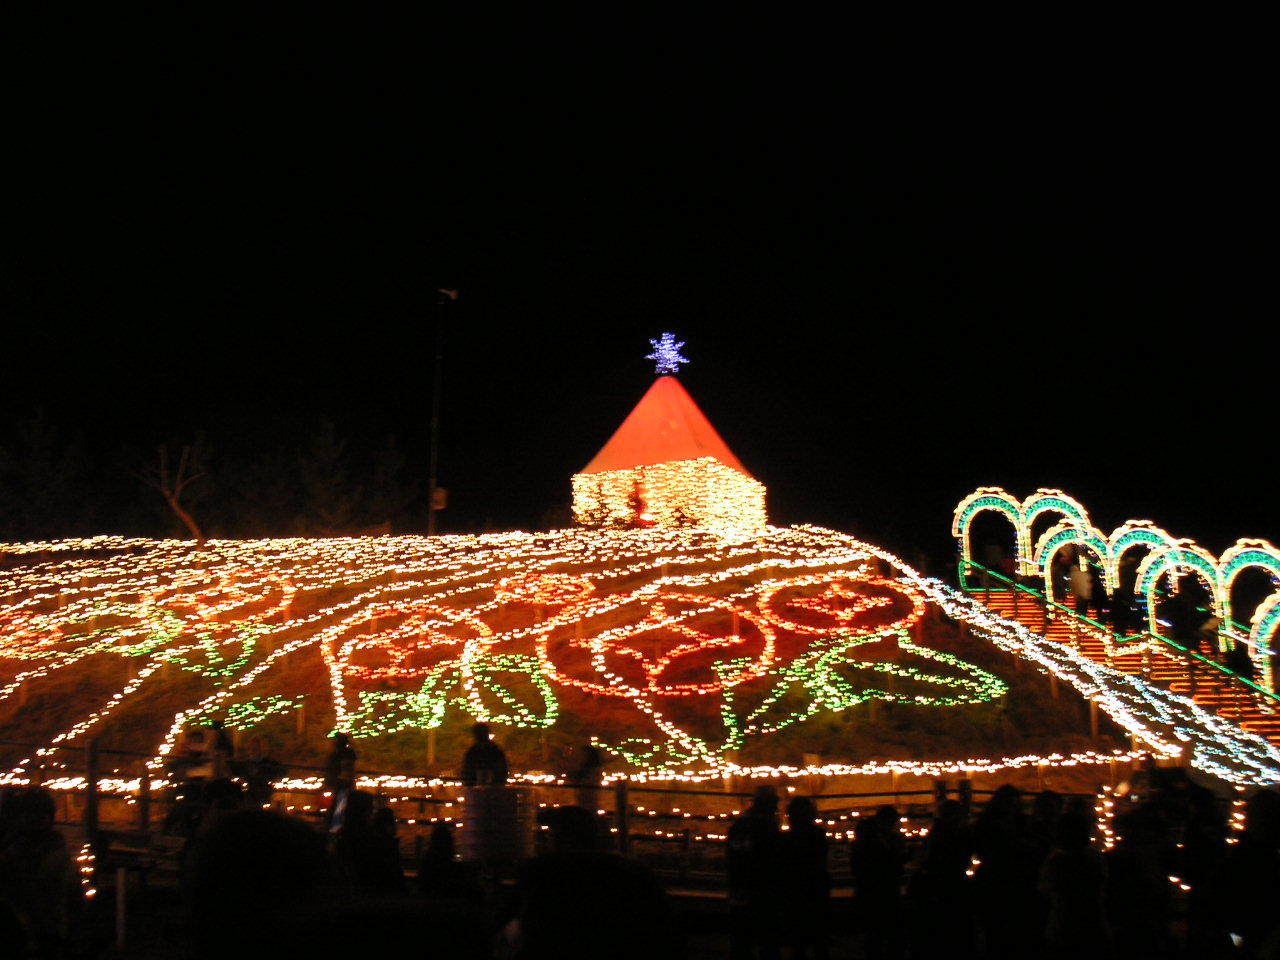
x: 1241, y: 555
x: 1045, y: 500
x: 983, y: 499
x: 1130, y: 534
x: 1183, y: 556
x: 1266, y: 622
x: 1060, y: 535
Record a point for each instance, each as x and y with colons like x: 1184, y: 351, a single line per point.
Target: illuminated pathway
x: 1157, y: 562
x: 1215, y: 690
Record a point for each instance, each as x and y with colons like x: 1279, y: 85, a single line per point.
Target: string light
x: 666, y: 354
x: 666, y: 466
x: 701, y: 492
x: 1023, y: 514
x: 86, y: 863
x: 1167, y: 557
x: 544, y: 589
x: 678, y: 625
x: 249, y: 713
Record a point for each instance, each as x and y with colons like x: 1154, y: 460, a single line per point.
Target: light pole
x: 443, y: 299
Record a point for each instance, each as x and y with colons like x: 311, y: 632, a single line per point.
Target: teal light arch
x: 983, y: 499
x: 1044, y: 501
x: 1184, y: 555
x: 1266, y: 623
x: 1240, y: 556
x: 1061, y: 535
x: 1131, y: 534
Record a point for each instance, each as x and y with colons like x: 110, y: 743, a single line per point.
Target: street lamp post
x: 443, y: 299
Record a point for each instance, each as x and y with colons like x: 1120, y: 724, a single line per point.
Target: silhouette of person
x: 576, y: 901
x: 484, y: 764
x: 1007, y: 901
x: 440, y: 875
x: 221, y: 797
x: 588, y: 775
x: 806, y: 882
x: 339, y: 772
x: 192, y: 773
x: 256, y: 882
x: 38, y: 881
x: 753, y: 859
x: 1140, y: 898
x: 875, y: 861
x: 219, y: 749
x: 1239, y: 662
x: 1073, y: 879
x: 1081, y: 585
x: 259, y: 772
x: 368, y: 858
x: 940, y: 890
x: 261, y: 885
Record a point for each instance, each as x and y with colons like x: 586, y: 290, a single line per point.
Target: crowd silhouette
x: 1026, y: 877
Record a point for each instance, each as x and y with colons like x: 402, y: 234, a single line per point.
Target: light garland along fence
x: 1152, y: 655
x: 685, y: 848
x: 107, y: 806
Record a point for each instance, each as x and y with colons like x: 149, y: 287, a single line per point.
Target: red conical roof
x: 666, y: 425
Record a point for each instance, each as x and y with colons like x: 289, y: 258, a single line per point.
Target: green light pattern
x: 1251, y: 558
x: 816, y: 681
x: 1172, y: 560
x: 1057, y: 504
x: 382, y: 712
x: 211, y: 661
x: 487, y: 668
x: 1072, y: 535
x: 988, y: 503
x: 487, y: 694
x: 249, y: 713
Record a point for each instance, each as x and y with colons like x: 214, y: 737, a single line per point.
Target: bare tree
x: 173, y: 483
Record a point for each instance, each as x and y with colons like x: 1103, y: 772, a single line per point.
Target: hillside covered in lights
x: 679, y: 651
x: 674, y: 628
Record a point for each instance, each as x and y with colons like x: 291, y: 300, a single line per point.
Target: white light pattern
x: 666, y: 354
x: 235, y: 611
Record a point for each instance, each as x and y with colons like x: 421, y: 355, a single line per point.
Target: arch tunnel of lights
x: 1167, y: 559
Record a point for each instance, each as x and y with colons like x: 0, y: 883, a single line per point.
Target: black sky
x: 879, y: 315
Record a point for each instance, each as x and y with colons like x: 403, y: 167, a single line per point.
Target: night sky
x: 878, y: 318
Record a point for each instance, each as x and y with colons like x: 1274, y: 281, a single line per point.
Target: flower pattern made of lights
x: 711, y: 641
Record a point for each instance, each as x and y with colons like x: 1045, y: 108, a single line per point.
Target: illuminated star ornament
x: 666, y: 354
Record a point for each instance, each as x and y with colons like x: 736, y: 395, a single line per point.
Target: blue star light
x: 666, y: 351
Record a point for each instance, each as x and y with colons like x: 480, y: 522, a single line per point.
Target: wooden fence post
x: 622, y: 816
x: 144, y: 801
x: 91, y: 790
x: 122, y: 913
x: 939, y: 792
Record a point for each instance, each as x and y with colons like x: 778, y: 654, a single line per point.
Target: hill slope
x: 679, y: 651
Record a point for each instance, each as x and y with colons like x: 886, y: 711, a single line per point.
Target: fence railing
x: 1019, y: 590
x: 134, y: 804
